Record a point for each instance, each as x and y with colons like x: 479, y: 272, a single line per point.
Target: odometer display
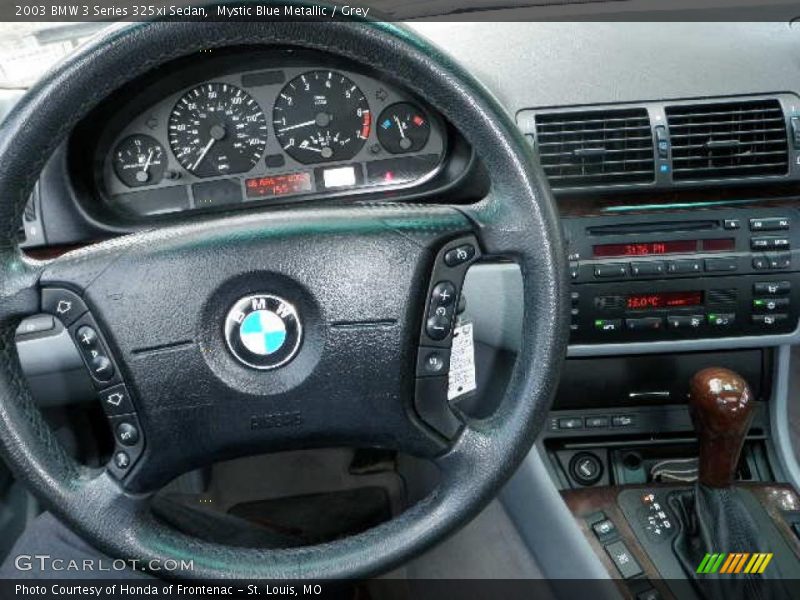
x: 279, y: 185
x: 217, y: 129
x: 321, y: 116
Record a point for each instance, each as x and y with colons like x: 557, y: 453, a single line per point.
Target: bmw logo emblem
x: 263, y: 331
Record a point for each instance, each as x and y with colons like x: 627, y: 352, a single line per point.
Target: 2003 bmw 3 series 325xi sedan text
x: 399, y: 300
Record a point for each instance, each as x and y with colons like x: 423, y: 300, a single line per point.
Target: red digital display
x: 664, y: 300
x: 279, y: 185
x: 668, y: 247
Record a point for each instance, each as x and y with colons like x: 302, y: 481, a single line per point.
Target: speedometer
x: 321, y: 116
x: 217, y: 129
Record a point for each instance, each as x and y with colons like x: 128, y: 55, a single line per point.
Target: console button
x: 586, y: 468
x: 685, y: 321
x: 685, y: 266
x: 608, y: 325
x: 769, y: 224
x: 771, y: 288
x: 574, y: 270
x: 116, y: 401
x: 760, y: 263
x: 127, y: 434
x: 649, y: 594
x: 645, y: 324
x: 432, y: 361
x: 622, y: 421
x: 623, y: 560
x: 722, y: 319
x: 769, y: 320
x: 761, y: 243
x: 443, y: 294
x: 780, y: 261
x: 570, y: 423
x: 604, y: 530
x: 36, y: 324
x: 596, y: 422
x: 643, y: 269
x: 574, y: 297
x: 122, y: 460
x: 662, y: 141
x: 64, y: 304
x: 611, y: 270
x: 769, y: 304
x: 721, y: 264
x: 460, y: 255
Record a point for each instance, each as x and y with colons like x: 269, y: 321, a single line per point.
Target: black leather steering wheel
x: 358, y: 276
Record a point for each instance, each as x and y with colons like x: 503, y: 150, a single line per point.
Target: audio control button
x: 715, y: 265
x: 643, y: 269
x: 769, y: 224
x: 611, y: 270
x: 685, y: 266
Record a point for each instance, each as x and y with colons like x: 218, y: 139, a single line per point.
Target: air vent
x: 728, y: 140
x: 602, y: 147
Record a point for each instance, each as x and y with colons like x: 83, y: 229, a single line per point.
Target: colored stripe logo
x: 734, y: 563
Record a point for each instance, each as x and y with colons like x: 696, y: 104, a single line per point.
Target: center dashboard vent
x: 598, y: 147
x: 728, y: 140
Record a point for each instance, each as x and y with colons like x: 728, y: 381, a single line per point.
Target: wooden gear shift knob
x: 722, y: 410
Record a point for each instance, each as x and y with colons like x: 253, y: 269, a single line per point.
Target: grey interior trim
x: 547, y: 526
x: 779, y: 417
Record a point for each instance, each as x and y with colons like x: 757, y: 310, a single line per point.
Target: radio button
x: 685, y: 321
x: 685, y: 266
x: 770, y: 224
x: 769, y: 320
x: 771, y: 288
x: 761, y: 243
x: 645, y: 324
x: 721, y: 319
x: 611, y: 270
x: 643, y: 269
x: 721, y: 264
x: 780, y: 261
x: 760, y: 263
x: 769, y: 304
x: 608, y: 325
x: 731, y: 224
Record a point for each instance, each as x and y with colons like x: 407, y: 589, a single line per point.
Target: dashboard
x: 242, y: 127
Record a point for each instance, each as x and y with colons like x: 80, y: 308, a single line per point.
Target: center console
x: 689, y: 275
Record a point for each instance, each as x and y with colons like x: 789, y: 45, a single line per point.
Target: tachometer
x: 217, y: 129
x: 321, y: 116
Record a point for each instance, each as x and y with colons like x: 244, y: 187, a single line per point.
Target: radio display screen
x: 664, y: 300
x: 667, y: 247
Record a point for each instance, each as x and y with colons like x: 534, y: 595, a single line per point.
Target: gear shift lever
x: 722, y: 410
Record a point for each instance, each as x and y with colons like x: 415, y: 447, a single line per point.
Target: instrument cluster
x: 300, y: 131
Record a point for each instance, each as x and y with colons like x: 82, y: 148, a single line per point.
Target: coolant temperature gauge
x: 139, y: 160
x: 403, y: 127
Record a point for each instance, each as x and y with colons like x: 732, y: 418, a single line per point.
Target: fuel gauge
x: 139, y: 160
x: 403, y: 127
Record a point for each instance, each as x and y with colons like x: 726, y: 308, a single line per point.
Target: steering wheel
x: 351, y: 287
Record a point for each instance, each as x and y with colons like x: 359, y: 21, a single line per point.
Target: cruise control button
x: 67, y: 306
x: 460, y: 255
x: 102, y: 368
x: 443, y: 294
x: 127, y: 434
x: 116, y: 400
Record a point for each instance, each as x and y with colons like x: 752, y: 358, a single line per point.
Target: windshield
x: 27, y: 50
